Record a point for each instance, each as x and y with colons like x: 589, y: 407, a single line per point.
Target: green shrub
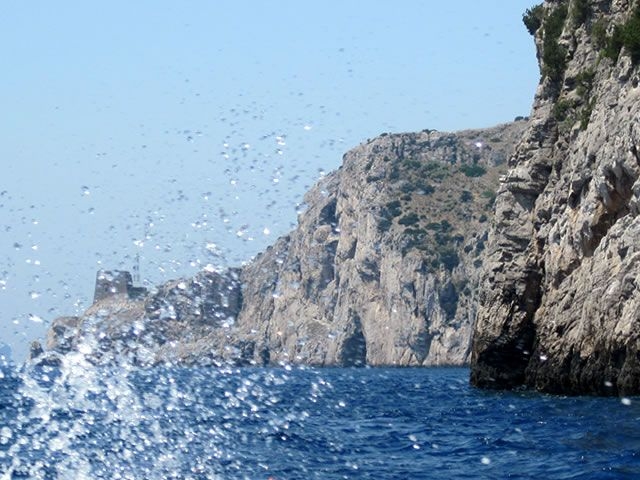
x: 409, y: 219
x: 384, y: 225
x: 580, y: 12
x: 407, y: 187
x: 411, y: 163
x: 473, y: 170
x: 585, y: 113
x: 449, y: 258
x: 626, y: 35
x: 466, y: 196
x: 614, y: 44
x: 631, y: 36
x: 532, y: 18
x: 584, y: 82
x: 393, y: 208
x: 424, y: 188
x: 554, y: 55
x: 442, y: 239
x: 562, y: 108
x: 599, y: 33
x: 414, y: 231
x: 488, y: 193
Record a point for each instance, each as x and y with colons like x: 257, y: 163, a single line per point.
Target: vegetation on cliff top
x: 554, y: 55
x: 440, y: 190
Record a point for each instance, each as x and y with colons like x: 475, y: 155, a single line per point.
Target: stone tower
x: 112, y: 282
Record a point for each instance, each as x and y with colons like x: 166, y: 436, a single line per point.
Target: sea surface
x: 82, y: 422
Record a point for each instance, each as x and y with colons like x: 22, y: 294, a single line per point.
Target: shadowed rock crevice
x: 354, y: 349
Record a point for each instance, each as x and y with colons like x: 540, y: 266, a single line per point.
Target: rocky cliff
x: 560, y: 300
x: 383, y: 267
x: 381, y: 270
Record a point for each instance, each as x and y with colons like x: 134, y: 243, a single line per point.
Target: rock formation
x: 381, y: 270
x: 383, y: 266
x: 560, y: 300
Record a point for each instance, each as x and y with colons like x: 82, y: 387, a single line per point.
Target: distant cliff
x: 560, y: 297
x: 382, y: 270
x: 383, y: 267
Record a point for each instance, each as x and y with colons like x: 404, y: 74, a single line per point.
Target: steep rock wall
x: 559, y: 301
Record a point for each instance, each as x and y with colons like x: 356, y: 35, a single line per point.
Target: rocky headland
x: 382, y: 269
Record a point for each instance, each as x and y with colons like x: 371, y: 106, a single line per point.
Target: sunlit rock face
x: 383, y: 266
x: 381, y: 270
x: 559, y: 301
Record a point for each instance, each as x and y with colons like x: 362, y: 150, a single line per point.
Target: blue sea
x: 78, y: 421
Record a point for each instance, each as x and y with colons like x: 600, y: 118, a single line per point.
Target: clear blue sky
x: 187, y: 132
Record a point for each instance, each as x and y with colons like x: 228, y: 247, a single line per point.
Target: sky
x: 185, y: 133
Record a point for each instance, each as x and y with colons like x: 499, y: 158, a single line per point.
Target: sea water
x: 78, y: 421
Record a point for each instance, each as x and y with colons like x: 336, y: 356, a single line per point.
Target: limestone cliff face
x: 383, y: 266
x: 381, y: 270
x: 560, y: 300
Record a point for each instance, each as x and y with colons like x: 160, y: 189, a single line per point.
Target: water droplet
x: 5, y: 435
x: 34, y: 295
x: 307, y: 127
x: 266, y: 231
x: 625, y: 401
x: 35, y: 318
x: 85, y: 190
x: 485, y: 460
